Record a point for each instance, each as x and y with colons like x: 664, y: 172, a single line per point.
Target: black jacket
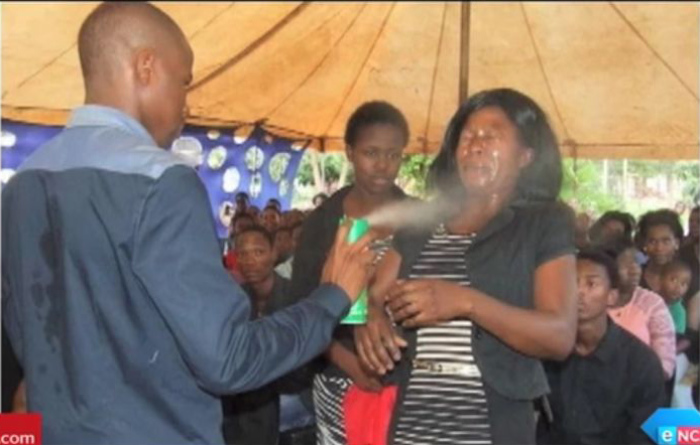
x: 501, y: 263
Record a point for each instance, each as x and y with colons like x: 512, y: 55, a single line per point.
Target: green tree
x: 412, y: 174
x: 581, y: 187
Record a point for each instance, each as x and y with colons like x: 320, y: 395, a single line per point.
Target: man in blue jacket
x: 114, y: 297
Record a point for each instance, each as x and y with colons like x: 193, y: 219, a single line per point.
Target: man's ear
x: 144, y: 64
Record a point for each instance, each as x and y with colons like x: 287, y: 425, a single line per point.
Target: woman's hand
x: 349, y: 363
x: 378, y: 344
x: 365, y: 380
x: 418, y: 303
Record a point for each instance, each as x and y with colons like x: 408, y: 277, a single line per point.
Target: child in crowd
x: 674, y: 281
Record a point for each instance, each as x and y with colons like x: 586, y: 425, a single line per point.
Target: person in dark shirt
x: 612, y: 382
x: 690, y: 253
x: 253, y: 418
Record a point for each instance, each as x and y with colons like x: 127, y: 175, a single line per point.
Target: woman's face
x: 630, y: 270
x: 660, y: 244
x: 489, y: 153
x: 612, y: 230
x: 376, y: 157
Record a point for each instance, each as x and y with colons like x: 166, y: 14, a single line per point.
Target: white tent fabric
x: 617, y: 79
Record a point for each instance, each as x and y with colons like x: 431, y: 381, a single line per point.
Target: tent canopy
x: 617, y: 79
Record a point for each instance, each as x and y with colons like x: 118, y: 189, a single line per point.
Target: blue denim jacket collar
x: 100, y: 115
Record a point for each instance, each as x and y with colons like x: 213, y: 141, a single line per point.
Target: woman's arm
x: 548, y: 331
x: 346, y: 360
x: 378, y: 345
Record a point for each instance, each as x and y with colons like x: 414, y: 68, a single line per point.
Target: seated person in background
x: 675, y: 278
x: 253, y: 211
x: 270, y: 219
x: 283, y: 244
x: 659, y: 236
x: 640, y: 311
x: 286, y: 241
x: 242, y: 203
x: 238, y: 224
x: 296, y: 217
x: 612, y: 382
x: 272, y: 202
x: 253, y: 418
x: 612, y: 226
x: 690, y: 253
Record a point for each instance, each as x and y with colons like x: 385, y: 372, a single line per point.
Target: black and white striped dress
x: 445, y: 401
x: 329, y: 390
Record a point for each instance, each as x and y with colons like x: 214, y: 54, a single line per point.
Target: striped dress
x: 445, y: 401
x: 329, y: 390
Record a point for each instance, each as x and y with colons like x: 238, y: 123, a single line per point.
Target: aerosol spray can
x: 358, y: 311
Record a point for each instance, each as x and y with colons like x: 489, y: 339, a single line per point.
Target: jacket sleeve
x: 176, y: 258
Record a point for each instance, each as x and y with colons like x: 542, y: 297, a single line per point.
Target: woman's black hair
x: 373, y: 113
x: 541, y: 180
x: 626, y: 219
x: 663, y: 217
x: 619, y: 246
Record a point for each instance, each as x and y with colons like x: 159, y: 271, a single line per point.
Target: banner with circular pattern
x: 228, y: 160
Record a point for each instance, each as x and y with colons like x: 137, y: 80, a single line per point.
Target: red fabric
x: 231, y: 260
x: 231, y: 263
x: 368, y: 415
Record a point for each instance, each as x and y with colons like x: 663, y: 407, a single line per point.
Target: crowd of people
x: 634, y: 346
x: 506, y: 319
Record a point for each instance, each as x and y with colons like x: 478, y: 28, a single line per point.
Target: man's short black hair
x: 258, y: 229
x: 601, y: 258
x: 273, y: 208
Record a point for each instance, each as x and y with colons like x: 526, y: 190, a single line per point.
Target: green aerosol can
x: 358, y: 311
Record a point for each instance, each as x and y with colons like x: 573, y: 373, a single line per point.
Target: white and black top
x: 445, y: 400
x: 331, y: 386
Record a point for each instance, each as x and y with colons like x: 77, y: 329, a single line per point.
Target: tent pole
x: 464, y: 52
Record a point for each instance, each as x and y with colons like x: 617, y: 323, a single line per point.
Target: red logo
x: 20, y: 429
x: 688, y: 435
